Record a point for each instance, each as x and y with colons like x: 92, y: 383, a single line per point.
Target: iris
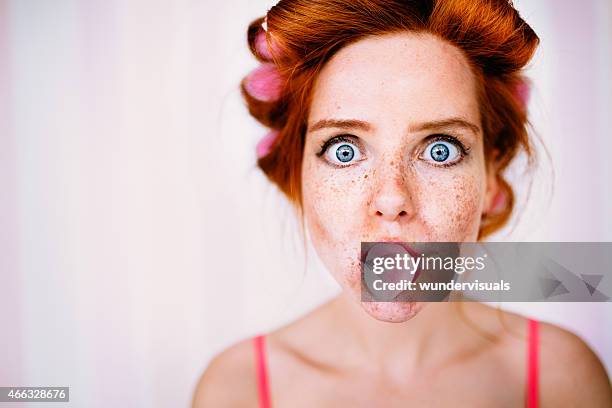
x: 345, y: 153
x: 439, y: 152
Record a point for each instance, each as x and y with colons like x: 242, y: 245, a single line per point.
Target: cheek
x: 452, y: 209
x: 334, y: 202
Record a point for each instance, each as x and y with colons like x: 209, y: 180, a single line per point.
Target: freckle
x: 366, y: 176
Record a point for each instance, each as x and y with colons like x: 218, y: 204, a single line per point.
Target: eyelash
x: 464, y: 151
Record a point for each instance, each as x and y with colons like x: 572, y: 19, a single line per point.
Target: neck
x: 400, y: 348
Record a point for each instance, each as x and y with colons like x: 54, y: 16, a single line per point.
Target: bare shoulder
x: 229, y: 379
x: 571, y: 374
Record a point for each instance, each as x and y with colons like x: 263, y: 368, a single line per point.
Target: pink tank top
x: 531, y: 400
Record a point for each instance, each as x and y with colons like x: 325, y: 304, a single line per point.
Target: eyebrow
x: 340, y: 124
x: 446, y: 123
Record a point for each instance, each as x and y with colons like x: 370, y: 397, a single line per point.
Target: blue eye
x: 439, y: 152
x: 442, y: 152
x: 341, y: 151
x: 345, y: 153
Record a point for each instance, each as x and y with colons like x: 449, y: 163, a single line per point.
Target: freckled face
x: 393, y: 152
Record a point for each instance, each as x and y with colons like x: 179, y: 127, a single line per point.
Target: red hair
x: 305, y: 34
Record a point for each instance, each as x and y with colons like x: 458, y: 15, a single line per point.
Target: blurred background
x: 138, y: 238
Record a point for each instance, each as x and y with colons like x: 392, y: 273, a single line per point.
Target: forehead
x: 399, y: 77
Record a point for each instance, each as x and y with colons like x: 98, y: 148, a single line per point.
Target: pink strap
x: 532, y: 365
x: 262, y: 372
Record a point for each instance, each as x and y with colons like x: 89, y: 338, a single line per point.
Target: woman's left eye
x: 442, y: 152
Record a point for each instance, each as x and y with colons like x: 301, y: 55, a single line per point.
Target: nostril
x: 400, y: 214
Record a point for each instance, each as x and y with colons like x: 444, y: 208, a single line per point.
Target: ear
x: 494, y: 198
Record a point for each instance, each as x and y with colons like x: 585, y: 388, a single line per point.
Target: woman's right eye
x: 341, y: 151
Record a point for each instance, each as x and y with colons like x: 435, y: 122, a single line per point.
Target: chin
x: 392, y: 312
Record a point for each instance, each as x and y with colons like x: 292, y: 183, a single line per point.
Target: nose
x: 392, y: 200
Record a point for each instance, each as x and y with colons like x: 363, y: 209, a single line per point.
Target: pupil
x: 345, y: 153
x: 439, y: 152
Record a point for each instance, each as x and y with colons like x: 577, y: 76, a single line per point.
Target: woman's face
x: 393, y: 152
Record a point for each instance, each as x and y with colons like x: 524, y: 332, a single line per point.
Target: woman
x: 394, y: 121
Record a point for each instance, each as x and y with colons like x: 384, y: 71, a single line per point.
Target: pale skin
x: 390, y: 98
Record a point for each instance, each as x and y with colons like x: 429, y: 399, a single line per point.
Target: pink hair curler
x: 523, y: 92
x: 265, y: 144
x: 264, y: 83
x: 261, y: 45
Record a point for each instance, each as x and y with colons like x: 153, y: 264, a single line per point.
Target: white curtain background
x: 137, y: 237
